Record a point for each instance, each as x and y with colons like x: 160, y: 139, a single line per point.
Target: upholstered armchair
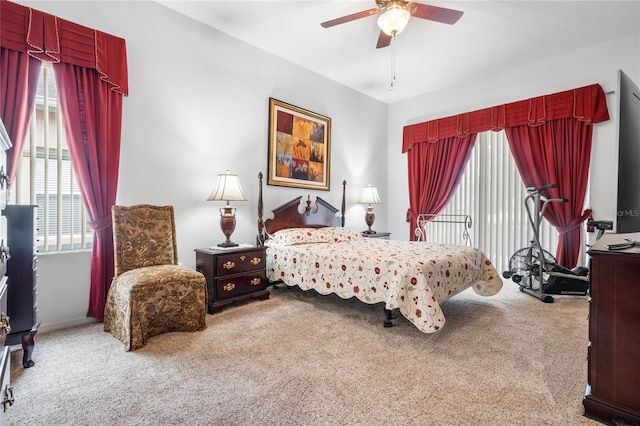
x: 150, y: 293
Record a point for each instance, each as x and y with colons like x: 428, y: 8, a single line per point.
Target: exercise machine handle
x: 532, y: 190
x: 548, y: 186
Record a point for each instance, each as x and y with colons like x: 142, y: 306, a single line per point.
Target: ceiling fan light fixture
x: 394, y: 19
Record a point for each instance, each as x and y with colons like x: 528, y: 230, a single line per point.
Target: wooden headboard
x: 288, y: 215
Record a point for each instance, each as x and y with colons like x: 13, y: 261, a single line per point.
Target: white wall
x: 596, y: 64
x: 63, y: 290
x: 198, y: 105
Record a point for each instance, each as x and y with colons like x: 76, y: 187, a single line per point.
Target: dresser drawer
x: 6, y: 390
x: 3, y: 246
x: 239, y: 285
x: 5, y: 326
x: 237, y: 263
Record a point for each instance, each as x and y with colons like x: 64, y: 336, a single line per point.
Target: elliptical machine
x: 536, y: 270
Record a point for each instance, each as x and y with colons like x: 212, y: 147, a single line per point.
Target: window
x: 45, y: 176
x: 492, y: 193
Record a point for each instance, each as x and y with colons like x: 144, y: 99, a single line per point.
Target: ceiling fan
x: 395, y: 15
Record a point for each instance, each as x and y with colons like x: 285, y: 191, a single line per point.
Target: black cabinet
x: 6, y: 390
x: 21, y: 278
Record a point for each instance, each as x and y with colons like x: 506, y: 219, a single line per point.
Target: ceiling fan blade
x: 352, y: 17
x: 384, y: 40
x: 434, y: 13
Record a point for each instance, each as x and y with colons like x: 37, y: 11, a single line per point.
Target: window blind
x: 45, y: 176
x: 492, y: 193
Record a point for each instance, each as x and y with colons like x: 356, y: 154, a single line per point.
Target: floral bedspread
x: 412, y: 276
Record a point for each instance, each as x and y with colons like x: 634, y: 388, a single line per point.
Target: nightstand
x: 233, y: 275
x: 381, y: 235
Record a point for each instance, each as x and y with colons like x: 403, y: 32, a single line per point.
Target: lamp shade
x: 394, y: 19
x: 370, y: 195
x: 227, y: 188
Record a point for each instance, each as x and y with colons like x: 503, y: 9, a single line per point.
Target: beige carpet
x: 305, y: 359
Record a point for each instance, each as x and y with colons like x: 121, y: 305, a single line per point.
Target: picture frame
x: 299, y: 147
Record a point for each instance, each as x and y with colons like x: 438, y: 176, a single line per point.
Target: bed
x: 309, y: 247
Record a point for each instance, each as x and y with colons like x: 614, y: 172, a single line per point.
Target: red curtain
x: 558, y: 151
x: 435, y: 170
x: 91, y: 72
x: 93, y: 120
x: 52, y: 39
x: 587, y: 104
x: 558, y: 126
x: 19, y: 75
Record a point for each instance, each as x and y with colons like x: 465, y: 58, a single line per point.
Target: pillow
x: 337, y: 234
x: 328, y: 234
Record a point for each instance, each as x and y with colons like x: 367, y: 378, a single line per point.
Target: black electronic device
x: 628, y: 243
x: 628, y: 127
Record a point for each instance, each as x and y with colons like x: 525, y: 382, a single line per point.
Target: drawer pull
x: 4, y: 252
x: 228, y: 265
x: 8, y: 398
x: 4, y: 179
x: 229, y: 286
x: 256, y: 281
x: 256, y: 260
x: 4, y: 324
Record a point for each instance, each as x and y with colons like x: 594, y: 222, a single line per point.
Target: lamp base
x: 228, y: 225
x: 369, y: 218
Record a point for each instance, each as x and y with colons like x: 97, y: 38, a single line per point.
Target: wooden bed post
x: 260, y: 234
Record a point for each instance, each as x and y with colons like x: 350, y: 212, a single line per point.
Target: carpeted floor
x: 304, y: 359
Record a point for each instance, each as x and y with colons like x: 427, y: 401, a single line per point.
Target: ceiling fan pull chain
x: 393, y: 61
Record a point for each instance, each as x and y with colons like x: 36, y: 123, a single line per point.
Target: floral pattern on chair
x: 150, y: 293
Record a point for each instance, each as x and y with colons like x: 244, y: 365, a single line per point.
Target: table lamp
x: 227, y: 189
x: 370, y: 196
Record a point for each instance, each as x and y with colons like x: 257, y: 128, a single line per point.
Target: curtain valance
x: 55, y: 40
x: 586, y: 104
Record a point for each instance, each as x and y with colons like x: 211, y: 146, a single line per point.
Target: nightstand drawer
x: 239, y: 285
x: 237, y: 263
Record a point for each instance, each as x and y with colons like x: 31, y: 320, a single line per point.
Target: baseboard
x: 46, y: 327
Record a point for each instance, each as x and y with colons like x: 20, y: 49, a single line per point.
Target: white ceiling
x: 490, y: 37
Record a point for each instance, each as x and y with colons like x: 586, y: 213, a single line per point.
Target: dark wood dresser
x: 233, y: 275
x: 22, y: 278
x: 613, y: 380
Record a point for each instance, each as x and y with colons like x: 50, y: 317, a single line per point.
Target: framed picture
x: 299, y: 147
